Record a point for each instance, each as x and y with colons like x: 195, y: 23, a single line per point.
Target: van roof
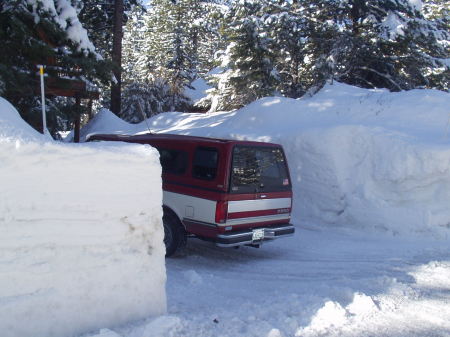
x: 147, y: 137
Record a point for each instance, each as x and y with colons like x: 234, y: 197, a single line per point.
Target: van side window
x: 205, y: 163
x: 173, y: 161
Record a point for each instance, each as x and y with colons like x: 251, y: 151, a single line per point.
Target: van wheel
x: 174, y: 234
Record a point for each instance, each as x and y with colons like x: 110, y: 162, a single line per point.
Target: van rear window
x: 205, y: 163
x: 173, y: 161
x: 258, y: 169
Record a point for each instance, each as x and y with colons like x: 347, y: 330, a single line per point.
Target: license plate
x: 258, y: 234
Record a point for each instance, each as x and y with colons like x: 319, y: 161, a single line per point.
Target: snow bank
x: 358, y: 158
x: 13, y: 127
x: 371, y: 177
x: 81, y: 244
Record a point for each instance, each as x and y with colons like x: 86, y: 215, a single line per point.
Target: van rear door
x: 260, y: 187
x: 258, y: 169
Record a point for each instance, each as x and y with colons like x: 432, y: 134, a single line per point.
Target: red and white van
x: 229, y: 192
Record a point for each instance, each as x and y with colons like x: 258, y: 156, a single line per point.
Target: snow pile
x: 82, y: 242
x: 358, y: 158
x: 103, y: 122
x: 13, y: 127
x: 357, y: 175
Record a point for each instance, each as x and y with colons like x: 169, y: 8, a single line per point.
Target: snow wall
x: 81, y: 243
x: 359, y: 158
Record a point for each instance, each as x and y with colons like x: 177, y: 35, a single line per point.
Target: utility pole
x: 116, y: 87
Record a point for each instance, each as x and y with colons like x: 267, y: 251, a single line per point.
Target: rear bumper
x: 249, y: 237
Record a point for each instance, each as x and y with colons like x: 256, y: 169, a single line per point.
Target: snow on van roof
x: 167, y: 137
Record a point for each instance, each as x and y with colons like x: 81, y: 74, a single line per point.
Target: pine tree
x: 288, y: 24
x: 116, y: 57
x: 175, y: 33
x: 208, y: 27
x: 104, y: 20
x: 167, y: 46
x: 438, y: 12
x: 380, y: 43
x: 135, y: 64
x: 97, y: 18
x: 248, y: 60
x: 34, y: 32
x: 149, y: 77
x: 147, y: 100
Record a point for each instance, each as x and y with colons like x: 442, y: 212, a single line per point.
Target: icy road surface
x: 322, y: 282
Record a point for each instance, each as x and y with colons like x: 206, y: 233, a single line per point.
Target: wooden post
x: 76, y: 136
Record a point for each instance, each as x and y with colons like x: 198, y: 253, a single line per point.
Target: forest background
x: 244, y: 49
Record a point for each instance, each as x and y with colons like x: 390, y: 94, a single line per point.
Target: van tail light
x: 221, y: 211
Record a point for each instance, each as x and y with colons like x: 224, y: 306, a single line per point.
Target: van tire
x: 174, y: 234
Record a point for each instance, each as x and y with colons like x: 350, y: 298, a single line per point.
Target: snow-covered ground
x: 371, y: 255
x: 322, y: 282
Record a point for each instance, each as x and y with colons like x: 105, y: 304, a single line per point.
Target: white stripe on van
x: 258, y: 205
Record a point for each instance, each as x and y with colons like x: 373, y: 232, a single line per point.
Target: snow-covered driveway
x: 359, y: 159
x: 322, y: 282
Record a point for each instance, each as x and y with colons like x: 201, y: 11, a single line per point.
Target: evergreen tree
x: 380, y: 43
x: 104, y: 20
x: 97, y: 18
x: 248, y: 60
x: 116, y: 57
x: 166, y: 48
x: 288, y: 24
x: 34, y: 32
x: 175, y: 32
x: 147, y: 100
x: 296, y: 46
x: 438, y: 12
x: 135, y: 64
x: 211, y: 38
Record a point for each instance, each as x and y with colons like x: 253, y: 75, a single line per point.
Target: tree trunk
x: 357, y: 8
x: 117, y: 57
x: 76, y: 136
